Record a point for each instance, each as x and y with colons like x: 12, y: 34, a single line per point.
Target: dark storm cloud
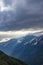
x: 26, y: 14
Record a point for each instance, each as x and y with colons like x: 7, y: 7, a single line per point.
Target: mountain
x: 7, y: 60
x: 28, y: 49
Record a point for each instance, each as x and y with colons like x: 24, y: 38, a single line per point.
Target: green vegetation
x: 7, y: 60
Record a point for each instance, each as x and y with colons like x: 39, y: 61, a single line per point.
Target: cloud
x: 24, y: 14
x: 4, y: 40
x: 18, y: 34
x: 4, y: 6
x: 8, y: 2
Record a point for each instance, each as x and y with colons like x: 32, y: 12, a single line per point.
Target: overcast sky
x: 19, y: 18
x: 21, y: 14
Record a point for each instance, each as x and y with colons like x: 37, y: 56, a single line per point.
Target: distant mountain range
x: 28, y: 49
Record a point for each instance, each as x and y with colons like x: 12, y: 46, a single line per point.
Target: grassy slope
x: 7, y: 60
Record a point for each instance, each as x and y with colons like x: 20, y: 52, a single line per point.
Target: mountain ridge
x: 7, y: 60
x: 31, y: 53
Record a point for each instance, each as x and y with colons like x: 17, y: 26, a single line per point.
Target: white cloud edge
x: 6, y: 8
x: 16, y: 34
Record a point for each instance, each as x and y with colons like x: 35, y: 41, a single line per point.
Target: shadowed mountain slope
x: 7, y: 60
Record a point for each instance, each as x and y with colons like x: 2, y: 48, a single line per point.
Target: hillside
x: 28, y: 49
x: 7, y: 60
